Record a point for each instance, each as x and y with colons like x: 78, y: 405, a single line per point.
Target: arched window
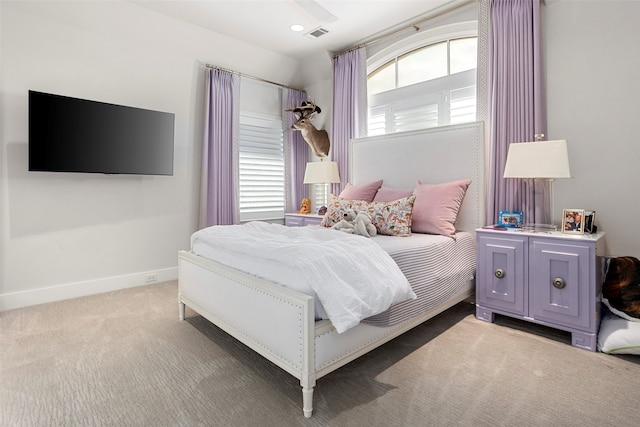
x: 427, y: 80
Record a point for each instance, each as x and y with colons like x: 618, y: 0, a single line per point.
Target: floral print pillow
x: 337, y: 206
x: 390, y: 218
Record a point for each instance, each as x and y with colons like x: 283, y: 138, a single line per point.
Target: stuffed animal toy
x: 356, y: 223
x: 363, y: 226
x: 346, y: 223
x: 305, y: 206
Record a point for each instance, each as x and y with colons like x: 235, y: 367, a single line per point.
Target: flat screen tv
x: 78, y: 135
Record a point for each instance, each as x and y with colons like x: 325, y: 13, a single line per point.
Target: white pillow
x: 618, y: 335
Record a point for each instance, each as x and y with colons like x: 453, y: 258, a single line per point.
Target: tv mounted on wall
x: 78, y: 135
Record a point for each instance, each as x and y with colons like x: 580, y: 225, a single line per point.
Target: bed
x: 280, y: 323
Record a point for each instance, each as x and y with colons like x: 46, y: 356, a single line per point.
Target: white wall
x: 593, y: 88
x: 65, y: 235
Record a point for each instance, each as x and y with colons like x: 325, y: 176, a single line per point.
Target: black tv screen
x: 78, y: 135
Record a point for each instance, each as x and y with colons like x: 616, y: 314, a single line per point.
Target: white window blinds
x: 438, y: 102
x: 261, y: 167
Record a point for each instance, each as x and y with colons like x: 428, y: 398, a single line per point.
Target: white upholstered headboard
x: 433, y: 156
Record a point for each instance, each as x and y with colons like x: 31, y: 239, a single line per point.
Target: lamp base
x: 540, y: 228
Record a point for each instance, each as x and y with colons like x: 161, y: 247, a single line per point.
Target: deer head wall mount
x: 317, y: 139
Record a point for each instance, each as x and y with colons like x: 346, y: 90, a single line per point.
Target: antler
x: 306, y: 110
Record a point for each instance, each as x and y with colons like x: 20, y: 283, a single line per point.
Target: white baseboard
x: 80, y: 289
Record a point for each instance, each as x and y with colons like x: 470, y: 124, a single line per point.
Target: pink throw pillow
x: 386, y: 194
x: 436, y: 207
x: 361, y: 191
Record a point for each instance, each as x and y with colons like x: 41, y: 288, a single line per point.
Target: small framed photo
x: 590, y: 222
x: 511, y: 219
x: 573, y: 221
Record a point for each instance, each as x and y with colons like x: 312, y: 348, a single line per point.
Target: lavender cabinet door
x: 560, y: 289
x: 502, y: 271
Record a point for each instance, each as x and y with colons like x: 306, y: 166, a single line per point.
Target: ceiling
x: 266, y: 23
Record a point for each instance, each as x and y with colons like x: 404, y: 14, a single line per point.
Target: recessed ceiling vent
x: 318, y: 32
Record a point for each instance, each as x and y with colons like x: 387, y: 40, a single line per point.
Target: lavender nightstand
x: 549, y: 278
x: 300, y: 220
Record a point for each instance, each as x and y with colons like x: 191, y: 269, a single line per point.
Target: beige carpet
x: 124, y: 359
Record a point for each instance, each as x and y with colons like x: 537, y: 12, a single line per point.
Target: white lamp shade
x: 540, y: 159
x: 321, y: 173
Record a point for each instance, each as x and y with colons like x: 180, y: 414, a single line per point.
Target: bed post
x: 180, y: 308
x: 307, y: 401
x: 308, y: 374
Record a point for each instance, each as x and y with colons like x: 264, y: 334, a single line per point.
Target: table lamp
x: 323, y: 172
x: 539, y: 160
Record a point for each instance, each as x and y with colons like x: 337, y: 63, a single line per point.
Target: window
x: 261, y: 152
x: 261, y: 167
x: 422, y: 64
x: 431, y: 85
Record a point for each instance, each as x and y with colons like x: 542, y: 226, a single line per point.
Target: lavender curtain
x: 295, y: 150
x: 349, y: 108
x: 218, y: 191
x: 516, y: 105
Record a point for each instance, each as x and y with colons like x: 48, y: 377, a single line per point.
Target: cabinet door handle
x: 499, y: 273
x: 559, y: 283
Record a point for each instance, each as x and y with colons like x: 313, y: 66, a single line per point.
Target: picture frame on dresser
x: 511, y: 219
x: 590, y: 222
x: 573, y: 221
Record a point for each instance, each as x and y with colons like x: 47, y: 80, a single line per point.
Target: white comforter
x: 351, y: 276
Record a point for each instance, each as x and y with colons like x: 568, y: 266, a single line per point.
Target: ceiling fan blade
x: 314, y: 9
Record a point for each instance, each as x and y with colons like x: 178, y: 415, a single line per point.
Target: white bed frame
x: 278, y: 323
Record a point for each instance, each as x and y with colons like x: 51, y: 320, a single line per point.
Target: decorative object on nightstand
x: 578, y: 221
x: 323, y: 172
x: 305, y: 206
x: 539, y: 160
x: 550, y: 278
x: 511, y: 219
x: 590, y: 222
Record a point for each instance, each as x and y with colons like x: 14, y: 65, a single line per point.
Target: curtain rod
x: 414, y: 26
x: 215, y: 67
